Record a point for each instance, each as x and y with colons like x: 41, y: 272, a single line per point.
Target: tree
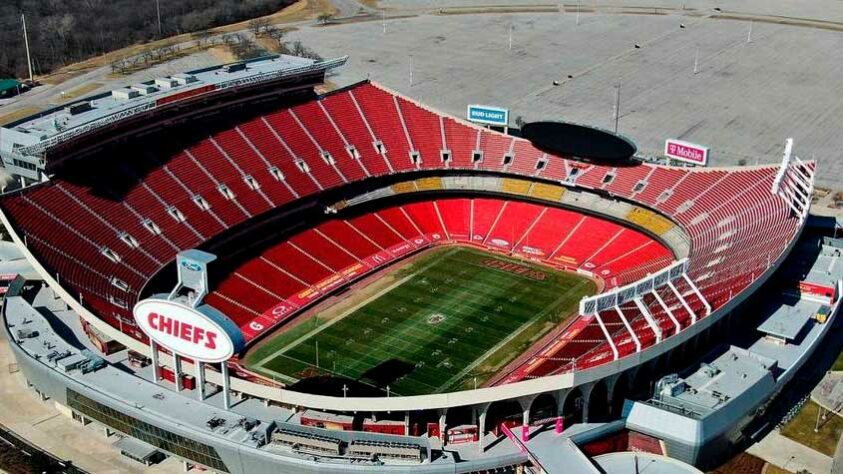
x: 201, y: 37
x: 324, y: 18
x: 258, y: 25
x: 67, y: 31
x: 276, y: 34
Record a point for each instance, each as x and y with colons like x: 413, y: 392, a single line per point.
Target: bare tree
x: 66, y: 31
x: 258, y: 25
x: 276, y: 34
x: 202, y: 37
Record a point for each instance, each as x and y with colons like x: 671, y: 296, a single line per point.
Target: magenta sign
x: 687, y: 152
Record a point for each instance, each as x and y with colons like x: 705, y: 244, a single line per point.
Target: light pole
x: 617, y: 105
x: 510, y: 36
x: 411, y: 70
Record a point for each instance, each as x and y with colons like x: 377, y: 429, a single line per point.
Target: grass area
x: 18, y: 114
x: 445, y: 318
x: 80, y: 91
x: 801, y: 429
x: 838, y: 363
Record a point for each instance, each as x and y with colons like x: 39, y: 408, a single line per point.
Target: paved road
x: 744, y: 101
x: 31, y: 457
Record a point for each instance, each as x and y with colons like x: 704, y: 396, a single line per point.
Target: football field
x: 449, y: 318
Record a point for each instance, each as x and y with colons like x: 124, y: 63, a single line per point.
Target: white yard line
x: 497, y: 346
x: 349, y: 311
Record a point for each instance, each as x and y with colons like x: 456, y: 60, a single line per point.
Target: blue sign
x: 488, y: 115
x: 193, y: 266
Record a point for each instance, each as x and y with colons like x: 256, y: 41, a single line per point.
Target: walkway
x: 790, y: 455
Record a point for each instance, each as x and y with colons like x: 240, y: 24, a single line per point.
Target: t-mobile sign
x: 687, y: 152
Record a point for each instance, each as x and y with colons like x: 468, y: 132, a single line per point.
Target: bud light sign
x: 488, y: 115
x: 687, y: 152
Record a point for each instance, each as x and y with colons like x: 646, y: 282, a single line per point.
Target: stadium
x: 366, y: 263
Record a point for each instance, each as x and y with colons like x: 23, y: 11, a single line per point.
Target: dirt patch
x: 802, y: 22
x: 499, y: 9
x: 222, y: 53
x: 742, y: 463
x: 18, y: 114
x: 80, y: 91
x: 299, y: 11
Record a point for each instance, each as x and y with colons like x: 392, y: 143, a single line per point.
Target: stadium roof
x: 136, y: 448
x: 59, y: 124
x: 786, y: 323
x: 624, y: 462
x: 716, y: 383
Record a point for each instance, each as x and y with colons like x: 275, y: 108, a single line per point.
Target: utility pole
x: 26, y: 43
x: 617, y: 105
x: 749, y: 34
x: 383, y: 20
x: 158, y: 10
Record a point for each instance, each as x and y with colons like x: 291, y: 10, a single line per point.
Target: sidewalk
x: 790, y: 455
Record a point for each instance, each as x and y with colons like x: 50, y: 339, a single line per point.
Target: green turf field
x: 451, y: 315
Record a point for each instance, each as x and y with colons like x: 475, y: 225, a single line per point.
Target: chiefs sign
x: 184, y: 330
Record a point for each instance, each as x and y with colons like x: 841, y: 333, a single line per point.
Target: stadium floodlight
x: 617, y: 108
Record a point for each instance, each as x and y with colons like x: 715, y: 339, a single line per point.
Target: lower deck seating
x: 105, y: 225
x: 331, y: 254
